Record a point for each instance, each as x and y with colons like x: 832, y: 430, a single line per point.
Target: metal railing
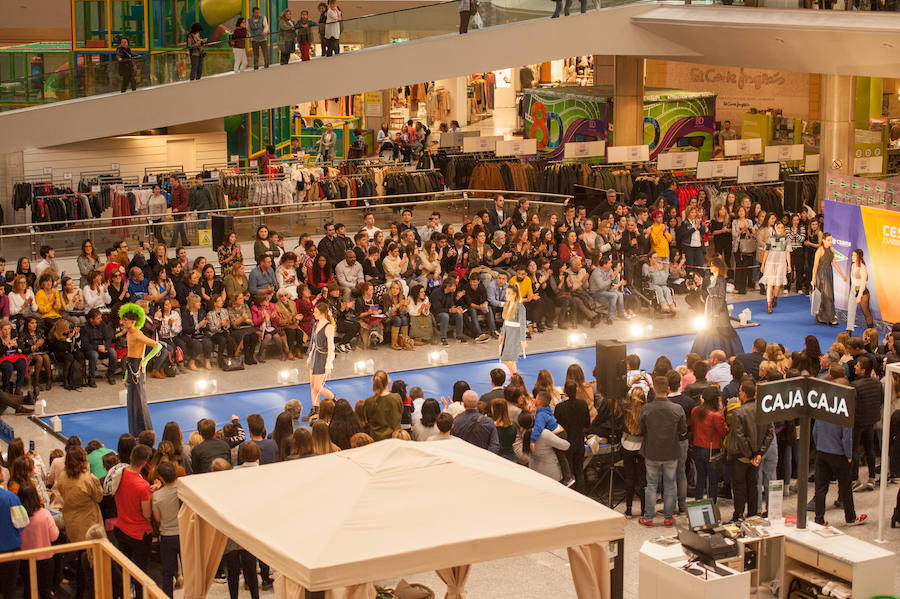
x: 103, y: 555
x: 288, y: 219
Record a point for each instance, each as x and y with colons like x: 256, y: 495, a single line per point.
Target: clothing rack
x: 168, y: 168
x: 99, y: 174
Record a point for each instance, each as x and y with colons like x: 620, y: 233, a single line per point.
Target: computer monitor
x: 703, y: 515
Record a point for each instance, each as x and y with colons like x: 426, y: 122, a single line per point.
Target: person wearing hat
x: 660, y: 238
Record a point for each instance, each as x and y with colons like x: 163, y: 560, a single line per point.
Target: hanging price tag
x: 784, y: 153
x: 285, y: 168
x: 743, y: 147
x: 151, y: 178
x: 759, y: 173
x: 114, y: 166
x: 95, y: 189
x: 718, y: 169
x: 67, y: 176
x: 811, y: 163
x: 481, y: 144
x: 868, y: 165
x: 677, y: 160
x: 254, y: 163
x: 214, y: 175
x: 235, y: 158
x: 584, y: 149
x: 516, y: 147
x: 628, y: 153
x: 48, y: 170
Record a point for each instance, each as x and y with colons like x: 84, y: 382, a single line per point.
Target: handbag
x: 230, y: 363
x: 815, y: 301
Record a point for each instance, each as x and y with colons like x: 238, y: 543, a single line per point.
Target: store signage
x: 487, y: 143
x: 235, y: 158
x: 254, y: 163
x: 783, y: 153
x: 584, y: 149
x: 48, y: 170
x: 67, y: 176
x: 114, y: 166
x: 628, y: 153
x: 743, y: 147
x: 759, y: 173
x: 806, y: 396
x: 215, y: 174
x: 718, y: 169
x: 874, y: 164
x: 677, y: 160
x: 95, y: 189
x: 151, y: 178
x: 811, y: 163
x: 516, y: 147
x: 373, y: 104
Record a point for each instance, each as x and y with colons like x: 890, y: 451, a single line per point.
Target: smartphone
x: 31, y: 446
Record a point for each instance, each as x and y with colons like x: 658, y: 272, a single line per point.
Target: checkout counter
x: 769, y: 560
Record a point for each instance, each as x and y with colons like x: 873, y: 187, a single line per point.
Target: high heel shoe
x: 769, y: 305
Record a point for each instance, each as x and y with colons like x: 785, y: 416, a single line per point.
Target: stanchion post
x: 802, y: 472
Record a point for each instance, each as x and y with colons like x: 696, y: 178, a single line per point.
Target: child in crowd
x: 637, y: 377
x: 234, y: 435
x: 40, y: 532
x: 164, y: 504
x: 544, y: 418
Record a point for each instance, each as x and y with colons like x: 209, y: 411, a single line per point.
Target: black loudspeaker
x: 608, y: 370
x: 222, y: 226
x: 793, y: 196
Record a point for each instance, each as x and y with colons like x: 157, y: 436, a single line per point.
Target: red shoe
x: 644, y: 522
x: 669, y: 522
x: 861, y: 519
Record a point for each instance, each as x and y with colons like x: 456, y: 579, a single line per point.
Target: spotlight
x: 290, y: 375
x: 364, y: 367
x: 649, y: 327
x: 699, y: 323
x: 437, y: 358
x: 43, y: 405
x: 637, y: 330
x: 576, y: 339
x: 205, y: 386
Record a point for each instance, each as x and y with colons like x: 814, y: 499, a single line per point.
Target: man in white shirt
x: 47, y: 261
x: 370, y: 227
x: 349, y: 274
x: 431, y: 227
x: 719, y: 369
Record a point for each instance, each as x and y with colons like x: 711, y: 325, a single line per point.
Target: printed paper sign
x: 743, y: 147
x: 718, y: 169
x: 628, y: 153
x: 584, y: 149
x: 677, y: 160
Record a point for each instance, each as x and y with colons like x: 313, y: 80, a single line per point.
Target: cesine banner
x: 877, y: 233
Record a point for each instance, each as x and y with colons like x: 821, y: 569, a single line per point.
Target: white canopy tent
x: 338, y: 522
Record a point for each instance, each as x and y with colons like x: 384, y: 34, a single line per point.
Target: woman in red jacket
x: 708, y: 426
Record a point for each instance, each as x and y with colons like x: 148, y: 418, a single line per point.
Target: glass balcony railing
x: 99, y: 73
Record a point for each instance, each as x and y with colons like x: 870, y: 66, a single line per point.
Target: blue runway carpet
x: 789, y: 325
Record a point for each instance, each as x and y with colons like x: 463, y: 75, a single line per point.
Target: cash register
x: 705, y: 536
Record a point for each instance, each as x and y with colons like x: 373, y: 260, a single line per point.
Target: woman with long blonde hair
x: 512, y: 335
x: 321, y: 355
x: 321, y: 439
x: 632, y: 441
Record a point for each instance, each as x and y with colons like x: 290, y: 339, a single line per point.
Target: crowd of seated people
x: 404, y: 286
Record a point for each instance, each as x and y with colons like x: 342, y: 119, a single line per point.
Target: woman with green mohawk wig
x: 132, y: 318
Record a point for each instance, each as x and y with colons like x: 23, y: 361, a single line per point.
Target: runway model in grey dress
x: 511, y: 337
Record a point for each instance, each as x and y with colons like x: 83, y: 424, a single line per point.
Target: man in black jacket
x: 752, y: 360
x: 748, y: 441
x: 331, y: 247
x: 869, y: 397
x: 211, y: 448
x: 695, y: 389
x: 477, y: 305
x: 498, y: 377
x: 499, y: 217
x: 97, y: 342
x: 443, y: 306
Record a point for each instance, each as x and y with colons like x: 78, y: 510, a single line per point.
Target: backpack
x: 77, y: 374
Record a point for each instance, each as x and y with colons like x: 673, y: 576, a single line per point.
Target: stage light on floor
x: 289, y: 375
x: 436, y: 358
x: 205, y: 386
x: 636, y: 329
x: 43, y: 407
x: 364, y: 367
x: 576, y: 339
x: 699, y: 323
x: 745, y: 316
